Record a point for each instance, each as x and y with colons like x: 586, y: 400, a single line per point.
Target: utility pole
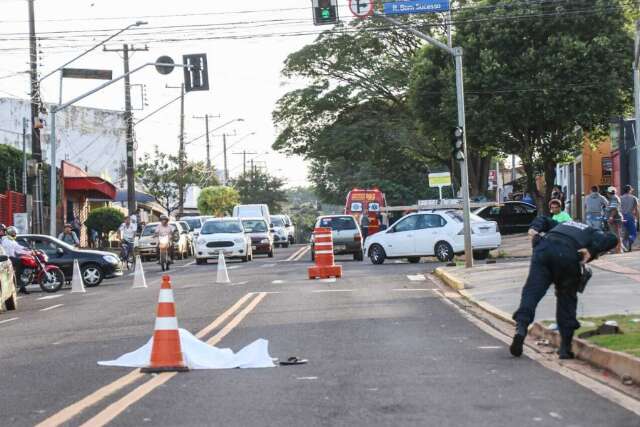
x: 226, y: 169
x: 244, y: 160
x: 25, y: 123
x: 206, y: 126
x: 128, y: 117
x: 181, y: 152
x: 36, y: 146
x: 636, y: 98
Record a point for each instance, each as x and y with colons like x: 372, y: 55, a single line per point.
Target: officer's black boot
x: 565, y: 347
x: 518, y: 340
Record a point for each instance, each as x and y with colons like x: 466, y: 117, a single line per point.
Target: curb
x: 621, y: 364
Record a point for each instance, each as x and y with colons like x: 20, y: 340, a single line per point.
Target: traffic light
x: 458, y: 144
x: 325, y: 12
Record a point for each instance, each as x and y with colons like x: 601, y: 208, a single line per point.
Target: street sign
x: 416, y: 6
x: 361, y: 8
x: 439, y: 179
x: 165, y: 69
x: 85, y: 73
x: 196, y: 72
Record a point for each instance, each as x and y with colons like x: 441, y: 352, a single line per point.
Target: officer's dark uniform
x: 556, y: 260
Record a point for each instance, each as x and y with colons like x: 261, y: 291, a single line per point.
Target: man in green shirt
x: 558, y: 215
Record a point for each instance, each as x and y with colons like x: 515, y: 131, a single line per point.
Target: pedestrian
x: 559, y: 257
x: 613, y: 196
x: 557, y: 214
x: 557, y: 194
x: 595, y: 205
x: 629, y: 211
x: 364, y: 225
x: 69, y: 236
x: 616, y: 221
x: 76, y: 226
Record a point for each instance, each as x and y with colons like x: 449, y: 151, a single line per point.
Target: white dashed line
x: 416, y: 277
x: 332, y: 290
x: 50, y: 297
x: 413, y: 290
x: 330, y: 280
x: 268, y: 265
x: 490, y: 347
x: 8, y: 320
x: 233, y: 267
x: 277, y: 282
x: 307, y: 378
x: 239, y: 283
x: 188, y: 264
x: 52, y: 307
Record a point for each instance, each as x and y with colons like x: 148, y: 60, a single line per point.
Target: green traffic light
x: 326, y: 13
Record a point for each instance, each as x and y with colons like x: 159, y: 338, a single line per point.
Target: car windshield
x: 457, y: 216
x: 277, y: 221
x: 149, y: 230
x: 254, y: 226
x: 193, y: 223
x: 217, y: 227
x: 339, y: 223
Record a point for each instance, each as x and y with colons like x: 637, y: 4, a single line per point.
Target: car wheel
x: 358, y: 256
x: 271, y: 253
x: 481, y: 255
x: 414, y: 259
x: 292, y: 240
x: 444, y: 252
x: 245, y: 258
x: 12, y: 302
x: 377, y: 254
x: 92, y: 275
x: 201, y: 261
x: 285, y: 245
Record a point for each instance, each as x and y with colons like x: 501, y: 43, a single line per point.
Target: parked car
x: 252, y: 211
x: 190, y: 237
x: 223, y: 235
x: 194, y: 222
x: 280, y: 232
x: 347, y: 237
x: 147, y: 244
x: 433, y: 233
x: 291, y: 229
x: 262, y: 241
x: 95, y: 266
x: 8, y: 293
x: 512, y: 217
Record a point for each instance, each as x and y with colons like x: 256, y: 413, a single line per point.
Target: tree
x: 160, y: 174
x: 218, y: 200
x: 352, y: 120
x: 10, y: 169
x: 258, y: 187
x: 104, y: 220
x: 537, y: 75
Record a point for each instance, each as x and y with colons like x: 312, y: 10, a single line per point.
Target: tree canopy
x: 257, y: 187
x: 217, y: 200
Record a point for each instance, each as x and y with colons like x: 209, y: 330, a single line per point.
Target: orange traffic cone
x: 323, y: 251
x: 166, y: 352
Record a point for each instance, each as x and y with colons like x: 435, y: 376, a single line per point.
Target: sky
x: 246, y: 43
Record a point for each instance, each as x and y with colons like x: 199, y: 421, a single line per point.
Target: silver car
x: 347, y: 237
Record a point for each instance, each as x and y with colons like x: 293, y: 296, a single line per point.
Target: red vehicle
x: 36, y: 271
x: 367, y: 202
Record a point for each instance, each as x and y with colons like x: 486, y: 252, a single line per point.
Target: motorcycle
x: 36, y: 271
x: 164, y: 245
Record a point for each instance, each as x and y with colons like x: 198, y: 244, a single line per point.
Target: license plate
x: 254, y: 247
x: 339, y: 247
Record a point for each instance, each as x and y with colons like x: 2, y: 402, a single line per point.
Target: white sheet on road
x: 200, y: 355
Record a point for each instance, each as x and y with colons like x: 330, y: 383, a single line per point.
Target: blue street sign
x: 416, y: 6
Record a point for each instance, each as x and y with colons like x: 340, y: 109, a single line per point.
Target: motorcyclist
x: 164, y: 230
x: 13, y: 250
x: 128, y: 232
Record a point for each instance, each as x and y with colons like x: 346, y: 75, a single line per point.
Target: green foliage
x: 104, y: 220
x: 217, y: 200
x: 10, y: 169
x: 537, y: 75
x: 160, y: 174
x: 305, y: 220
x: 257, y: 187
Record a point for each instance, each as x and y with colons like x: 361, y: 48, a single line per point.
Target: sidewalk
x: 614, y: 288
x: 513, y: 246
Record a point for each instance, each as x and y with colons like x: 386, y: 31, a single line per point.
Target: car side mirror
x: 4, y: 258
x: 273, y: 230
x: 60, y: 252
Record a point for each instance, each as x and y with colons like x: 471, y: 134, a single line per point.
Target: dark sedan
x: 95, y: 266
x: 512, y: 217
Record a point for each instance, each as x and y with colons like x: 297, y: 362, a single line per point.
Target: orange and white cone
x: 166, y: 351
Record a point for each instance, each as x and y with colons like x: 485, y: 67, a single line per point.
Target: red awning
x: 92, y: 187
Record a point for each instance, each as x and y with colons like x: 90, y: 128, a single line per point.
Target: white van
x: 252, y: 211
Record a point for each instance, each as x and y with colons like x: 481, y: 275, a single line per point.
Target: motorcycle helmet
x: 12, y: 231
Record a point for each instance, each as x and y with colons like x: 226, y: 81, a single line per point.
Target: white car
x: 281, y: 236
x: 429, y: 233
x: 225, y: 235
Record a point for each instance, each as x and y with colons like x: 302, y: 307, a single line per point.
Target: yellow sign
x: 439, y: 179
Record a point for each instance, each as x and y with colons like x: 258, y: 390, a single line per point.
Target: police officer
x: 559, y: 257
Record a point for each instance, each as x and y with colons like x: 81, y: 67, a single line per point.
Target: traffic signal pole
x: 457, y: 53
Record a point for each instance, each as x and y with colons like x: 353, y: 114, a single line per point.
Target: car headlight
x: 201, y: 241
x: 239, y: 240
x: 110, y: 259
x: 264, y: 241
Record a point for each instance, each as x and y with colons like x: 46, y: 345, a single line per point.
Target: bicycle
x: 126, y: 255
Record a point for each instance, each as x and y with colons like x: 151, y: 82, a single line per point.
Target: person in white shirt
x: 13, y: 250
x: 128, y: 232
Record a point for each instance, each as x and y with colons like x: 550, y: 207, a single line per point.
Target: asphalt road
x: 383, y: 348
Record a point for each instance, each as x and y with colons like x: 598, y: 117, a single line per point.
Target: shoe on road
x: 516, y: 345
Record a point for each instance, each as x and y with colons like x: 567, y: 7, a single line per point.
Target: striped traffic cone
x: 166, y: 352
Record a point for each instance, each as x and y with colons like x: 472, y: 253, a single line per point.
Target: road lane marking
x: 330, y: 280
x: 416, y: 277
x: 490, y: 347
x: 320, y: 291
x: 268, y: 265
x: 303, y: 253
x: 8, y: 320
x: 413, y: 290
x: 50, y: 297
x: 277, y: 282
x: 306, y: 378
x: 52, y: 307
x: 187, y: 265
x: 295, y: 253
x: 112, y: 411
x: 71, y: 411
x: 239, y: 283
x: 233, y: 267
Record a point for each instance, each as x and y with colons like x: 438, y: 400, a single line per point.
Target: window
x: 218, y: 227
x: 495, y: 211
x: 410, y: 223
x: 45, y: 246
x: 193, y: 223
x: 255, y: 226
x: 277, y: 221
x: 339, y: 223
x: 149, y: 230
x: 431, y: 221
x: 356, y: 207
